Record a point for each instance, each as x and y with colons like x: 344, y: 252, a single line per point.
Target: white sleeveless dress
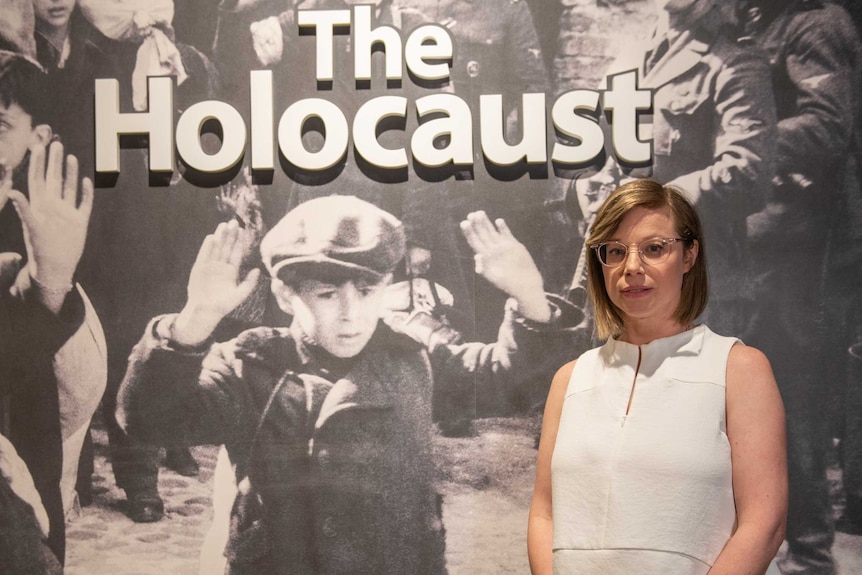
x: 651, y: 492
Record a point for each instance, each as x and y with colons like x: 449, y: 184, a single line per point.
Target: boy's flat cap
x: 334, y: 237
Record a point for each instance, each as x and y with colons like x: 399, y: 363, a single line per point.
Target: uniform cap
x: 335, y: 237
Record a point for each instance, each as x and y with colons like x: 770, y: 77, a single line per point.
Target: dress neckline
x: 688, y: 342
x: 688, y: 334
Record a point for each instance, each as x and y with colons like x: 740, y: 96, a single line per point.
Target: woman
x: 663, y: 450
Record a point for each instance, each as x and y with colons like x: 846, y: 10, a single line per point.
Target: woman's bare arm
x: 540, y: 533
x: 756, y: 431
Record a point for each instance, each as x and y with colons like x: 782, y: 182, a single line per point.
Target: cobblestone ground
x: 105, y: 541
x: 486, y: 481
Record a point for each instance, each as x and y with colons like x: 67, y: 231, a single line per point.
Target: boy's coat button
x: 329, y: 527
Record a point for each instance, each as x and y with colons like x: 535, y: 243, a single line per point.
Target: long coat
x: 713, y: 133
x: 52, y: 374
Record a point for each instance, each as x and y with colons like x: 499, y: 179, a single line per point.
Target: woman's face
x: 53, y: 13
x: 646, y: 294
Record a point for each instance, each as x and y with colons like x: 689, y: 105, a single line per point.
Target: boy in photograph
x: 328, y: 420
x: 52, y: 357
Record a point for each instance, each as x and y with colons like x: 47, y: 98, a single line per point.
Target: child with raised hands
x: 328, y: 419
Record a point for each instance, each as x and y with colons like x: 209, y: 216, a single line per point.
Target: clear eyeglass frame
x: 652, y: 252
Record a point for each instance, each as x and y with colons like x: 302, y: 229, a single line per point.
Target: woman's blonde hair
x: 654, y: 196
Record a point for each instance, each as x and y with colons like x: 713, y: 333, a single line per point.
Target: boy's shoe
x: 145, y: 506
x: 457, y: 427
x: 850, y: 521
x: 181, y: 460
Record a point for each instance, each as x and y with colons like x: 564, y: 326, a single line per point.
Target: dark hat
x: 335, y: 237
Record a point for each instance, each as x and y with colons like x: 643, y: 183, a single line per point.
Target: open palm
x: 216, y: 286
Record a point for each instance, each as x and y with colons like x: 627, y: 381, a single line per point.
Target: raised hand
x: 215, y: 286
x: 592, y: 191
x: 267, y: 40
x: 241, y: 200
x: 504, y: 261
x: 53, y: 219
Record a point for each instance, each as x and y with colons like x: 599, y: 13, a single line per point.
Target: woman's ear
x: 690, y: 255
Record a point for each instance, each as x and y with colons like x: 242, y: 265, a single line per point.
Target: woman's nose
x: 633, y: 263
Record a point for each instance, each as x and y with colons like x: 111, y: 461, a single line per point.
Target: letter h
x: 157, y: 124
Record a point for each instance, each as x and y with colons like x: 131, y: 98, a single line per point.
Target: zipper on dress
x: 632, y: 393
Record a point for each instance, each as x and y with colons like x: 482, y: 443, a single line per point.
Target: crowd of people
x: 755, y: 116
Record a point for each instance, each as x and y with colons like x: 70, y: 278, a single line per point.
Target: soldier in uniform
x: 547, y: 18
x: 497, y: 51
x: 713, y: 130
x: 813, y: 51
x: 497, y: 48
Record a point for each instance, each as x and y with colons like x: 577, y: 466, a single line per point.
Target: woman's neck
x: 643, y: 332
x: 56, y: 35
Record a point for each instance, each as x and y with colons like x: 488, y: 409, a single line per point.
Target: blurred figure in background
x: 713, y: 133
x: 814, y: 52
x: 52, y: 357
x: 134, y: 227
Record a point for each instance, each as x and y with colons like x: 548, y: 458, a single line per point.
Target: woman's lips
x: 636, y: 292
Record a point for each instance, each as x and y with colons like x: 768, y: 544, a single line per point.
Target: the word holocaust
x: 578, y: 137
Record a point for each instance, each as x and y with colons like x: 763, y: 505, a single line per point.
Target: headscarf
x: 148, y: 21
x: 17, y: 27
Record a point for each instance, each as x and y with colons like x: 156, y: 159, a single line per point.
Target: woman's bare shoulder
x: 748, y: 363
x: 565, y: 371
x: 559, y: 385
x: 749, y: 374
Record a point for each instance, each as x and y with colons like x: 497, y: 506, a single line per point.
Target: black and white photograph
x: 296, y: 287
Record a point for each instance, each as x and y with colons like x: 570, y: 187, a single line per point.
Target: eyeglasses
x: 652, y: 252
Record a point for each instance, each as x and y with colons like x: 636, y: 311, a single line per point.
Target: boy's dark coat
x: 342, y: 459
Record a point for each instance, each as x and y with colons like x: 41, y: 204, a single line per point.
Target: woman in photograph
x: 663, y: 450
